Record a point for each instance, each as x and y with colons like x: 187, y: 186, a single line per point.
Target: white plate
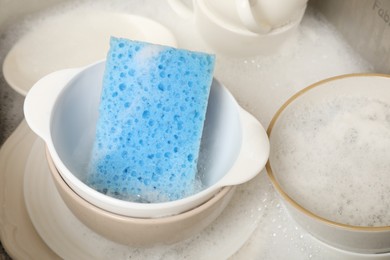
x: 74, y: 39
x: 17, y: 233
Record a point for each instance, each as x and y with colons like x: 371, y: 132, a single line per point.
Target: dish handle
x: 254, y: 152
x: 41, y: 98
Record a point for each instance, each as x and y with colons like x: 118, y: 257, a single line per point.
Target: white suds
x: 261, y: 85
x: 334, y: 159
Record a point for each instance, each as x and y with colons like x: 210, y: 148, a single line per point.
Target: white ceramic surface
x: 74, y: 39
x: 227, y: 36
x: 62, y: 108
x: 267, y: 232
x: 70, y: 239
x: 276, y: 236
x: 354, y: 238
x: 261, y: 16
x: 258, y: 16
x: 141, y: 232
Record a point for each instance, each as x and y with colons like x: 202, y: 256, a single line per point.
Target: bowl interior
x: 370, y: 88
x: 75, y: 115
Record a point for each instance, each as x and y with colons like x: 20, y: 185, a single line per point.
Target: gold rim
x: 276, y: 184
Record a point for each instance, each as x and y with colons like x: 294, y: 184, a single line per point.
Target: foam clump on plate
x: 151, y: 116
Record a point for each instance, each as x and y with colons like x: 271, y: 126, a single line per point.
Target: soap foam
x: 334, y: 159
x: 11, y: 109
x: 260, y: 84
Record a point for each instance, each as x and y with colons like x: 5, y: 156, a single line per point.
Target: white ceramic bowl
x: 62, y: 108
x: 141, y: 232
x: 357, y: 238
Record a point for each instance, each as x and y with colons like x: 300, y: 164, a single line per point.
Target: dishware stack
x: 238, y: 28
x: 62, y: 108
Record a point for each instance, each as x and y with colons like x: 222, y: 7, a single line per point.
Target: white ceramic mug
x: 221, y: 25
x: 259, y: 16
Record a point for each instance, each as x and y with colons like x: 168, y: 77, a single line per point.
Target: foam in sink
x: 151, y: 116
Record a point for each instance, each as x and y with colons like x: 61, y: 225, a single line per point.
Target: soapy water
x: 260, y: 84
x: 11, y: 113
x: 150, y: 196
x: 334, y: 159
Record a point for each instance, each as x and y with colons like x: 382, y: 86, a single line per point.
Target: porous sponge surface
x: 151, y: 116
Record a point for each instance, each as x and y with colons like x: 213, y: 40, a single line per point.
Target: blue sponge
x: 151, y: 116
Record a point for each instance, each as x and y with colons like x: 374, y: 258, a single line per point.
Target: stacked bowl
x: 62, y: 108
